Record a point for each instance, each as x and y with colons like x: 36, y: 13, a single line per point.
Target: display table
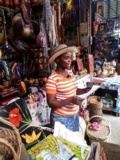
x: 82, y: 81
x: 112, y: 84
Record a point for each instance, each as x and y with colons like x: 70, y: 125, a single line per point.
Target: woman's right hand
x: 77, y: 100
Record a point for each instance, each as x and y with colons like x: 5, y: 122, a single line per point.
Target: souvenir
x: 5, y: 67
x: 95, y: 26
x: 41, y: 40
x: 102, y: 28
x: 25, y: 8
x: 110, y: 25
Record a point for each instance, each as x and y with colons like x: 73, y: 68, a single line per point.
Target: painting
x: 110, y: 25
x: 100, y: 8
x: 102, y: 28
x: 70, y: 36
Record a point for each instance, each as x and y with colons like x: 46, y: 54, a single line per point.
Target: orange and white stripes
x: 63, y: 88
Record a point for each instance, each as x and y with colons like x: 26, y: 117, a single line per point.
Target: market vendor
x: 62, y: 89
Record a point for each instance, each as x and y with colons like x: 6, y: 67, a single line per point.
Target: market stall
x: 29, y: 30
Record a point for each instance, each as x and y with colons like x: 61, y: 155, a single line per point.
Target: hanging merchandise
x: 91, y: 63
x: 54, y: 34
x: 5, y: 47
x: 100, y: 8
x: 4, y: 66
x: 25, y: 9
x: 95, y: 27
x: 39, y: 109
x: 16, y: 70
x: 40, y: 40
x: 20, y: 29
x: 102, y: 28
x: 98, y: 17
x: 83, y: 28
x: 47, y: 17
x: 110, y: 25
x: 50, y: 21
x: 84, y: 41
x: 21, y: 35
x: 117, y: 25
x: 44, y: 39
x: 70, y: 14
x: 70, y: 36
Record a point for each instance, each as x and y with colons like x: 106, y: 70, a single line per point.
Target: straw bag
x: 101, y: 135
x: 95, y: 108
x: 10, y: 141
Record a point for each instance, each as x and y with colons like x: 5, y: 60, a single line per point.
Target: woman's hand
x: 77, y: 100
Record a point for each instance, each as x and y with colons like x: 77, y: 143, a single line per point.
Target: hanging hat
x: 61, y: 49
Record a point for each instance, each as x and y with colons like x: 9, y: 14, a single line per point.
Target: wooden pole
x: 59, y: 21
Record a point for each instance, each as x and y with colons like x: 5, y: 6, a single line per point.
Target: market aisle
x: 115, y: 128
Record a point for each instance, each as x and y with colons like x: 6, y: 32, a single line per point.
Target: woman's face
x: 64, y: 61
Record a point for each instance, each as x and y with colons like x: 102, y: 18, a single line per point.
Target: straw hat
x: 61, y: 49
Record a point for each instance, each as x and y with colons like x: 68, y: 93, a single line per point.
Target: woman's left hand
x: 77, y: 100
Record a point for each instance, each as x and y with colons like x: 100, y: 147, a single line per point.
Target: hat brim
x: 64, y: 50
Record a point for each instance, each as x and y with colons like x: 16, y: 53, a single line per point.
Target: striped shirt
x: 63, y: 88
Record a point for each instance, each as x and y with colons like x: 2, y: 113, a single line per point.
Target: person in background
x: 62, y: 89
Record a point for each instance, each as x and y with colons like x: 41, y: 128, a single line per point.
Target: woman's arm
x: 54, y: 103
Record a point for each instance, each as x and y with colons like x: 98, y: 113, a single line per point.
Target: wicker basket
x: 101, y: 135
x: 10, y: 141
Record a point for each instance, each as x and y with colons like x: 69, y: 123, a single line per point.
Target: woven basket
x: 10, y: 141
x: 95, y: 108
x: 101, y: 135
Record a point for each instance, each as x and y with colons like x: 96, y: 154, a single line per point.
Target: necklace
x: 64, y: 74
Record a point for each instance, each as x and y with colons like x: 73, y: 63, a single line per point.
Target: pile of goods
x: 16, y: 3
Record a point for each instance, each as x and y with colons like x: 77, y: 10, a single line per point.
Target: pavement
x: 115, y: 128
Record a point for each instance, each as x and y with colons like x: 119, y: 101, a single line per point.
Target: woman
x: 61, y: 89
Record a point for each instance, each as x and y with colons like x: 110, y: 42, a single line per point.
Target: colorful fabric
x: 33, y: 135
x: 39, y: 110
x: 81, y: 152
x: 63, y: 88
x: 70, y: 122
x: 50, y: 148
x: 17, y: 113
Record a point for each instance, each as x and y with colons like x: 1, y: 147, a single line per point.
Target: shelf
x: 6, y: 8
x: 108, y: 109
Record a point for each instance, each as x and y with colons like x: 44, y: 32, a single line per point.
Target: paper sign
x: 93, y: 89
